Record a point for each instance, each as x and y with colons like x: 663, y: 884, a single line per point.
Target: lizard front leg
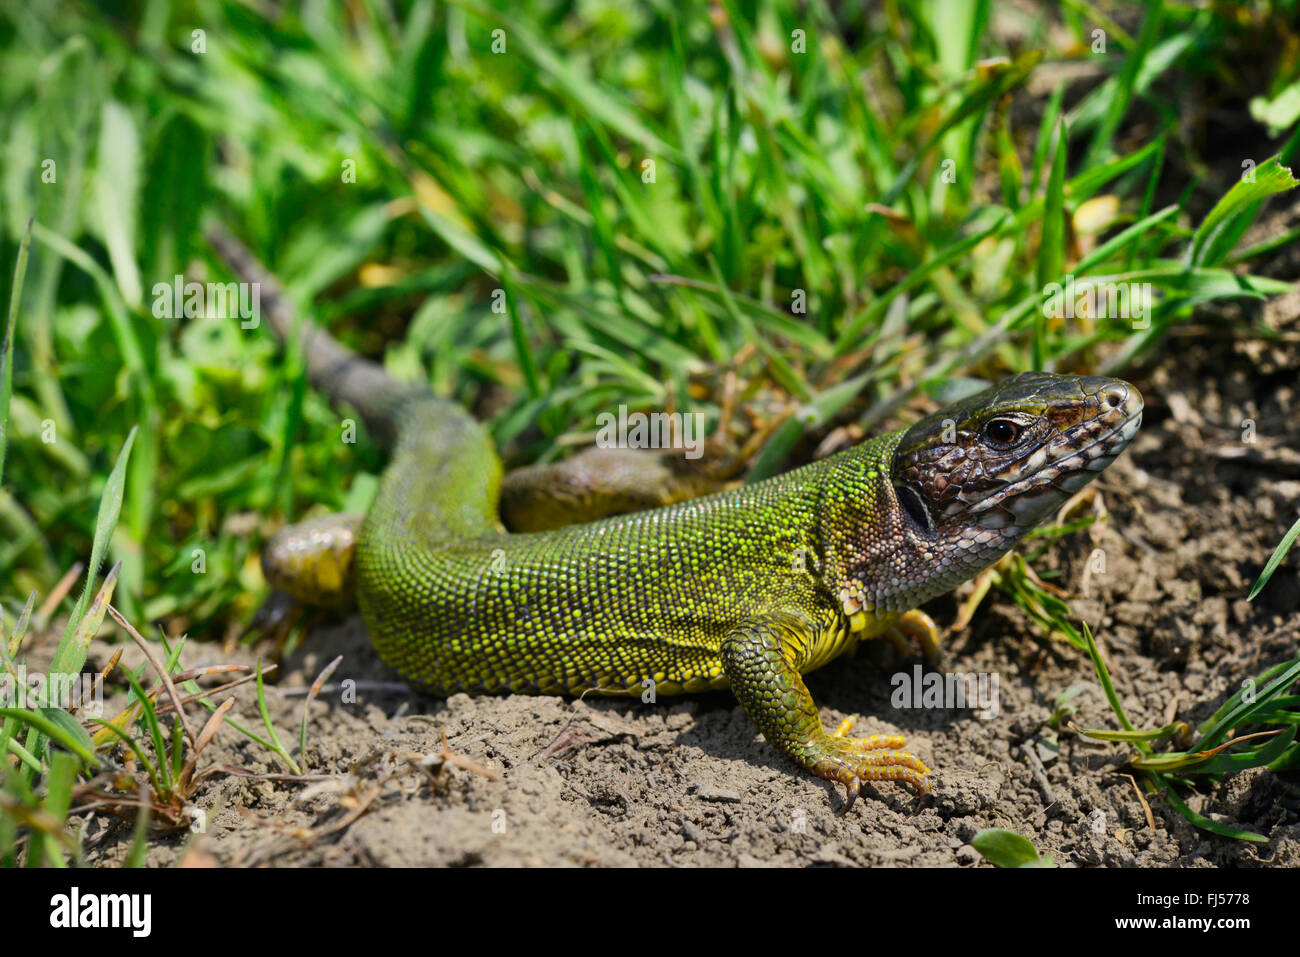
x: 761, y: 659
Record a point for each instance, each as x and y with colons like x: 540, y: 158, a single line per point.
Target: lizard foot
x: 850, y: 761
x: 915, y: 629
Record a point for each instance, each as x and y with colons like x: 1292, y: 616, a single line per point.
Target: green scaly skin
x: 748, y: 589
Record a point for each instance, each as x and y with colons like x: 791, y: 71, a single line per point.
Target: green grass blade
x: 1118, y: 102
x: 70, y: 655
x: 1203, y: 822
x: 1231, y: 215
x: 271, y: 734
x: 7, y: 347
x: 47, y: 849
x: 1051, y: 245
x: 1275, y: 559
x: 126, y: 738
x: 55, y: 730
x: 1103, y: 675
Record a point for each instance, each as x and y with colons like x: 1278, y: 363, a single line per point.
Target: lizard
x: 749, y: 588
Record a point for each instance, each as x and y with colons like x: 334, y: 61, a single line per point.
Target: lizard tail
x: 442, y: 482
x: 333, y: 369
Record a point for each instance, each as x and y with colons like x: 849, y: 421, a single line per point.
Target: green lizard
x: 746, y: 589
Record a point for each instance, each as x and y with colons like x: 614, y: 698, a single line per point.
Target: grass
x: 1274, y: 560
x: 546, y: 211
x: 1253, y: 728
x: 59, y: 761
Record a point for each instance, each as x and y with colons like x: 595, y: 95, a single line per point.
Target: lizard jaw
x: 1022, y: 504
x: 960, y: 498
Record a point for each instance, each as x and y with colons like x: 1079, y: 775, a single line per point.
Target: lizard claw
x: 915, y: 629
x: 850, y: 761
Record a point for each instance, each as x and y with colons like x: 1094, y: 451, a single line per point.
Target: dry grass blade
x: 166, y: 707
x: 159, y: 667
x: 276, y: 776
x: 447, y: 756
x: 316, y: 686
x: 89, y: 624
x: 97, y: 686
x: 1227, y: 744
x: 205, y: 736
x: 58, y: 593
x: 1146, y: 808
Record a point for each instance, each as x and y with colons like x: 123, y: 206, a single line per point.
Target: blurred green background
x: 657, y: 188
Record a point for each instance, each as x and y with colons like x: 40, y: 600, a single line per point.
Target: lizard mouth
x: 1058, y: 470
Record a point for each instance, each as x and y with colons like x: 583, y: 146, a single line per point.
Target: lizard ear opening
x: 914, y: 508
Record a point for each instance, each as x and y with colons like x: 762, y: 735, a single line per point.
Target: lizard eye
x: 1003, y: 432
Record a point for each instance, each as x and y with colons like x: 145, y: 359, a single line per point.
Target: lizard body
x: 747, y: 589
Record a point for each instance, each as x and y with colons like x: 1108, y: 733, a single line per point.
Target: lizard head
x: 1002, y: 460
x: 970, y: 480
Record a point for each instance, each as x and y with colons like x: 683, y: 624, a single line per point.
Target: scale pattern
x: 649, y: 596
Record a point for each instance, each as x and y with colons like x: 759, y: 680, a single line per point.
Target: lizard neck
x: 877, y: 562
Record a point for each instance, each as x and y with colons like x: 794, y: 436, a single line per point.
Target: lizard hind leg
x: 314, y: 561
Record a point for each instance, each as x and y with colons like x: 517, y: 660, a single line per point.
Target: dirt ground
x: 1194, y: 511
